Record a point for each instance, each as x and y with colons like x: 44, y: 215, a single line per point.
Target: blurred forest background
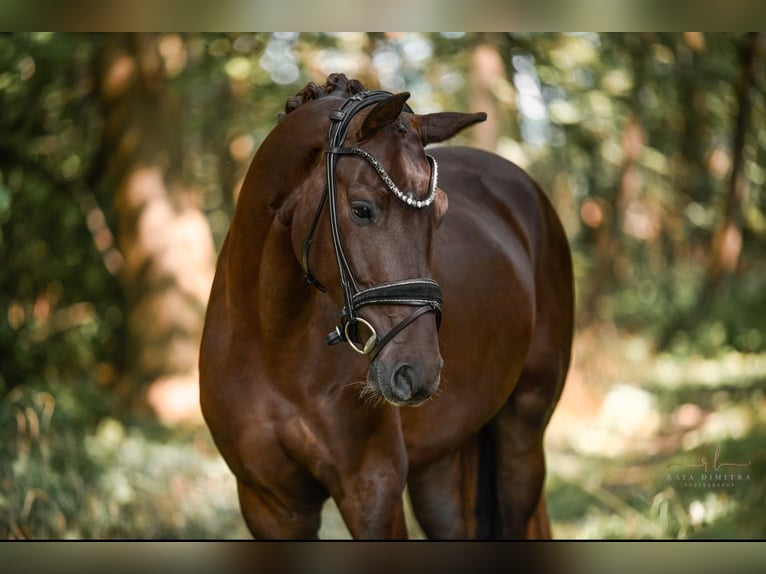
x: 120, y: 160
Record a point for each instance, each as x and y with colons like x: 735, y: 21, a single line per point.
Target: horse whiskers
x: 369, y: 396
x: 443, y: 384
x: 366, y: 393
x: 361, y: 384
x: 438, y: 390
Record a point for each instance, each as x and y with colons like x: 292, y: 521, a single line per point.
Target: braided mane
x: 337, y: 84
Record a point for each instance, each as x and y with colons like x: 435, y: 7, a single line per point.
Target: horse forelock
x: 336, y: 84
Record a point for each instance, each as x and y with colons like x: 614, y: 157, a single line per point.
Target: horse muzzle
x: 405, y: 383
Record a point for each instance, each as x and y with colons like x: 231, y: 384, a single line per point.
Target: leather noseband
x: 423, y: 294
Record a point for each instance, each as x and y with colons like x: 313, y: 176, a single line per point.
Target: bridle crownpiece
x: 423, y: 293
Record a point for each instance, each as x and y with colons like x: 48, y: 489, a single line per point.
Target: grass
x: 110, y: 477
x: 75, y: 465
x: 633, y: 465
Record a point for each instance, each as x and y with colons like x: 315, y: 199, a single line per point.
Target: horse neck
x: 265, y: 284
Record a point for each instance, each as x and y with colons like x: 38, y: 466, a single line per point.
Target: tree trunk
x: 727, y: 239
x: 161, y: 232
x: 609, y: 247
x: 486, y: 69
x: 726, y: 247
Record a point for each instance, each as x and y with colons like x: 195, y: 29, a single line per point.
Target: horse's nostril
x: 406, y: 384
x: 404, y: 381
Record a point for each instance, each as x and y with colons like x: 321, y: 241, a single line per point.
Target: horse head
x: 372, y: 254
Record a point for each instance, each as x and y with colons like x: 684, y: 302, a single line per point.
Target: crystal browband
x: 405, y: 198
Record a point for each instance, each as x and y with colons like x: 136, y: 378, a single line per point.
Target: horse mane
x: 336, y: 84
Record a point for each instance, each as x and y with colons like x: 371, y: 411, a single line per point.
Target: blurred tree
x: 162, y: 234
x: 96, y: 147
x: 61, y: 302
x: 486, y: 72
x: 722, y: 259
x: 115, y: 146
x: 727, y: 240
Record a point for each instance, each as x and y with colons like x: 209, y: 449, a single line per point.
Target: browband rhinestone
x: 398, y: 193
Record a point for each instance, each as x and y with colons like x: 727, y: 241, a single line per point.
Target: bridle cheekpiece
x: 424, y: 294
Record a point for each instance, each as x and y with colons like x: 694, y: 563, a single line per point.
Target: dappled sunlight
x: 175, y: 400
x: 116, y: 480
x: 670, y: 448
x: 118, y: 182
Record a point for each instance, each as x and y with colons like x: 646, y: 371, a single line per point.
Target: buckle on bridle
x: 423, y: 294
x: 372, y: 340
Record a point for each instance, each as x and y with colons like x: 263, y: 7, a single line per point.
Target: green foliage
x: 692, y: 467
x: 78, y: 466
x: 642, y: 230
x: 61, y: 307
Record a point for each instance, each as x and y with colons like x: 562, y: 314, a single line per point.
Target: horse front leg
x: 270, y: 516
x: 444, y: 494
x: 371, y: 503
x: 539, y: 526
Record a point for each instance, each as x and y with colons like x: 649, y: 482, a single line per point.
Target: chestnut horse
x: 343, y: 218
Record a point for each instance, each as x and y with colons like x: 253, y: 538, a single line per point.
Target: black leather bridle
x: 423, y: 294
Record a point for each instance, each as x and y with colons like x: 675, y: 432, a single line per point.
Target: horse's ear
x: 383, y: 114
x: 440, y: 126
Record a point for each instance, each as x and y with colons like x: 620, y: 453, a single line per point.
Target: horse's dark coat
x: 298, y: 421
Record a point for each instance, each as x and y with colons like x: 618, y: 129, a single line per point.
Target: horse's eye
x: 362, y: 213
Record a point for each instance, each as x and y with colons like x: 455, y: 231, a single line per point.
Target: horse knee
x: 267, y: 517
x: 444, y: 494
x: 372, y: 506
